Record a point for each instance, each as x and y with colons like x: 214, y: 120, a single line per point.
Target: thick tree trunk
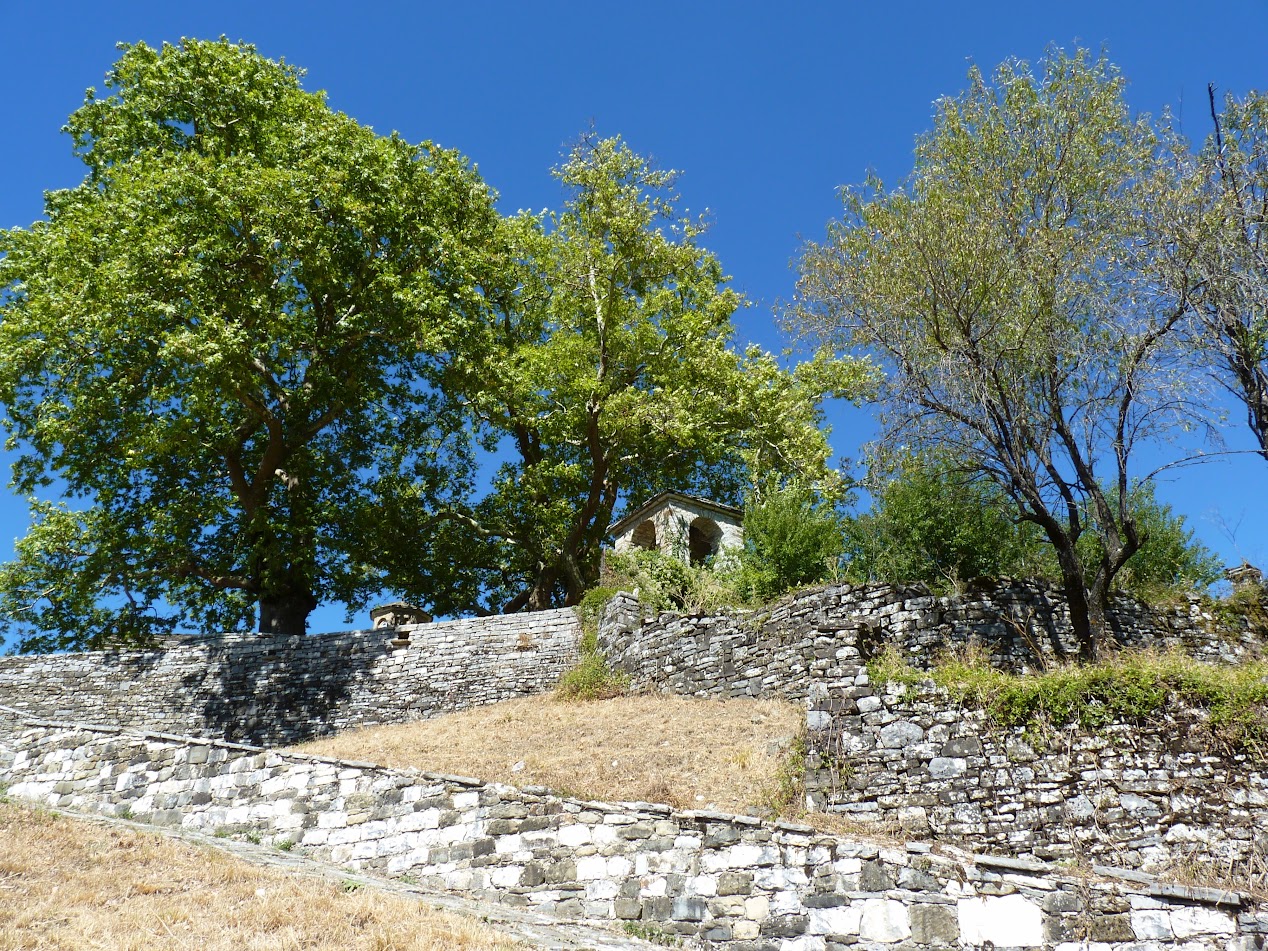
x: 287, y: 613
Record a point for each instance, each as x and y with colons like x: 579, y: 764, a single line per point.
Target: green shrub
x: 1131, y: 687
x: 667, y: 583
x: 931, y: 522
x: 590, y: 607
x: 791, y: 538
x: 592, y: 678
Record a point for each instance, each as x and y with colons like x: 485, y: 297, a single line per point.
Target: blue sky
x: 766, y: 109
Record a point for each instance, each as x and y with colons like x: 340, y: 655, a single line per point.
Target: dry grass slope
x: 689, y: 753
x: 67, y: 884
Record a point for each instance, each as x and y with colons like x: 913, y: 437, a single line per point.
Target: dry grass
x: 72, y: 885
x: 689, y: 753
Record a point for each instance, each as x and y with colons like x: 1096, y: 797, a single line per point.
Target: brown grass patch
x: 70, y: 884
x: 689, y: 753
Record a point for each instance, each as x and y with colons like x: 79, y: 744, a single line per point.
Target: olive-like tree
x: 1021, y: 291
x: 1232, y: 302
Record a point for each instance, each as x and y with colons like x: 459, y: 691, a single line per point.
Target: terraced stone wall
x: 1140, y: 795
x: 780, y: 650
x: 278, y: 690
x: 1150, y: 796
x: 721, y: 881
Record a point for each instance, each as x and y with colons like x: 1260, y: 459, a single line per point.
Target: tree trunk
x: 286, y: 613
x: 1087, y: 621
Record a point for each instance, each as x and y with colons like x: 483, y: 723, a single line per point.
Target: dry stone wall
x: 1021, y: 626
x: 277, y: 690
x: 1140, y: 795
x: 721, y: 881
x: 1150, y: 797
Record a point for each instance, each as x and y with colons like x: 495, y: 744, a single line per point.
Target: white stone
x: 786, y: 902
x: 704, y: 885
x: 803, y: 943
x: 885, y: 921
x: 947, y: 767
x: 574, y: 835
x: 757, y: 908
x: 900, y: 734
x: 507, y: 876
x: 466, y: 800
x: 602, y: 890
x: 654, y: 888
x: 1152, y: 925
x: 618, y: 866
x: 1010, y: 921
x: 1188, y: 922
x: 591, y: 867
x: 843, y: 920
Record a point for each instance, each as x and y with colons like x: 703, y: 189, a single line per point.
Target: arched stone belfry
x: 683, y: 526
x: 704, y: 539
x: 644, y: 535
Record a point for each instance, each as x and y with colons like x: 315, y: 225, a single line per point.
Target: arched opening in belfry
x: 703, y: 538
x: 644, y: 536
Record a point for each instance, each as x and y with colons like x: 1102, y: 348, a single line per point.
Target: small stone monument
x: 1244, y: 576
x: 681, y: 526
x: 397, y: 615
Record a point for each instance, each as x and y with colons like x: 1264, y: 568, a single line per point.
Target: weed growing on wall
x: 652, y: 933
x: 1132, y: 686
x: 592, y: 678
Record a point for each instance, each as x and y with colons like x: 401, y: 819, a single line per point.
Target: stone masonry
x: 278, y: 690
x: 721, y: 881
x: 1147, y: 796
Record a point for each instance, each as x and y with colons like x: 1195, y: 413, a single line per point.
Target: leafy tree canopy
x: 1021, y: 291
x: 934, y: 521
x: 218, y: 345
x: 606, y: 374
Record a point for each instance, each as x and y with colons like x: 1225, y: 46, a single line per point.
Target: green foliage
x: 590, y: 607
x: 932, y: 522
x: 606, y: 370
x: 791, y: 538
x: 1170, y: 561
x: 786, y: 794
x: 1131, y: 687
x: 1020, y: 291
x: 667, y: 583
x: 592, y: 678
x: 651, y: 932
x: 226, y: 344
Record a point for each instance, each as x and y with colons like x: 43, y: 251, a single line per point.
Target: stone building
x: 682, y: 526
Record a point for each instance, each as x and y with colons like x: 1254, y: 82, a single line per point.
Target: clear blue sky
x: 767, y: 109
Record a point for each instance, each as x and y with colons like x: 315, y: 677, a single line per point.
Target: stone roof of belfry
x: 669, y: 495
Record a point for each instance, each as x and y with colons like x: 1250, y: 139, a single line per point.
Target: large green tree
x: 1021, y: 290
x: 223, y: 343
x: 607, y: 374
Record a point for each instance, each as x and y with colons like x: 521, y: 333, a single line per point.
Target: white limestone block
x: 885, y: 921
x: 844, y: 920
x: 1011, y: 921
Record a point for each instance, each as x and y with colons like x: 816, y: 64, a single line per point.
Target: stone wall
x: 278, y: 690
x: 1137, y: 795
x: 723, y: 881
x: 1142, y: 796
x: 1021, y: 626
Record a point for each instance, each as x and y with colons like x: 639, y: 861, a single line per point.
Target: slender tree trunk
x: 1087, y: 621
